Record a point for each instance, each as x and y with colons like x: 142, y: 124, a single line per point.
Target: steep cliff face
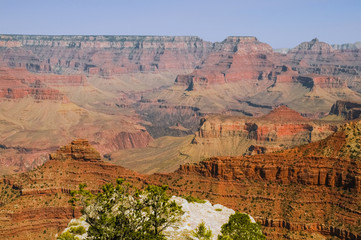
x: 103, y: 55
x: 19, y: 83
x: 346, y: 110
x: 235, y: 70
x: 237, y: 59
x: 281, y: 128
x: 319, y: 57
x: 313, y: 188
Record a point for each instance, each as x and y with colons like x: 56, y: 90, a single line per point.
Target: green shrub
x: 240, y: 227
x: 79, y: 230
x: 192, y: 199
x: 202, y: 233
x: 66, y: 236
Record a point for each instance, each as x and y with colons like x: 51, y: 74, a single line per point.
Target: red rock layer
x: 308, y: 188
x: 283, y: 113
x: 103, y: 55
x: 37, y: 206
x: 304, y: 189
x: 78, y: 150
x: 238, y: 59
x: 281, y: 128
x: 19, y: 83
x: 320, y: 58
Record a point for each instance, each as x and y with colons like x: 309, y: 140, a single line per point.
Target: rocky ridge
x: 282, y: 128
x: 314, y: 188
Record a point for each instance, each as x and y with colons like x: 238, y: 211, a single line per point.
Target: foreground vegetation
x: 121, y: 211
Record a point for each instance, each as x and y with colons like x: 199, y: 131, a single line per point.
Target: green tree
x: 121, y: 211
x: 159, y: 211
x: 240, y: 227
x: 202, y: 233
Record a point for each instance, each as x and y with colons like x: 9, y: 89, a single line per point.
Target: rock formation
x: 97, y: 81
x: 281, y: 128
x: 320, y: 58
x: 238, y: 59
x: 78, y: 150
x: 19, y: 83
x: 102, y: 55
x: 309, y: 189
x: 34, y: 205
x: 347, y: 110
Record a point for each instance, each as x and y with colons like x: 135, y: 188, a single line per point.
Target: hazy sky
x: 280, y: 23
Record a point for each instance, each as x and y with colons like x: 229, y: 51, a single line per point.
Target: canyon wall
x: 346, y: 110
x: 164, y: 83
x: 282, y: 128
x: 102, y: 55
x: 314, y: 188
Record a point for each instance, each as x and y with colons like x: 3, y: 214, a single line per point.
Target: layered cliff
x: 310, y: 189
x: 229, y: 73
x: 103, y: 55
x: 238, y: 59
x: 245, y: 76
x: 34, y: 205
x: 307, y: 189
x: 321, y: 58
x: 19, y: 83
x: 281, y: 128
x: 346, y: 110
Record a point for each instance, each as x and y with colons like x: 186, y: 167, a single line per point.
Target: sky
x: 280, y: 23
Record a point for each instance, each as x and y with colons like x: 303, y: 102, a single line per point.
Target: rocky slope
x: 30, y: 130
x: 346, y: 110
x: 310, y: 189
x: 281, y: 128
x: 38, y: 115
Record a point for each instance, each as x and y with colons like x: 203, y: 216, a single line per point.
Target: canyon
x: 222, y: 135
x: 154, y: 86
x: 275, y: 134
x: 307, y: 190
